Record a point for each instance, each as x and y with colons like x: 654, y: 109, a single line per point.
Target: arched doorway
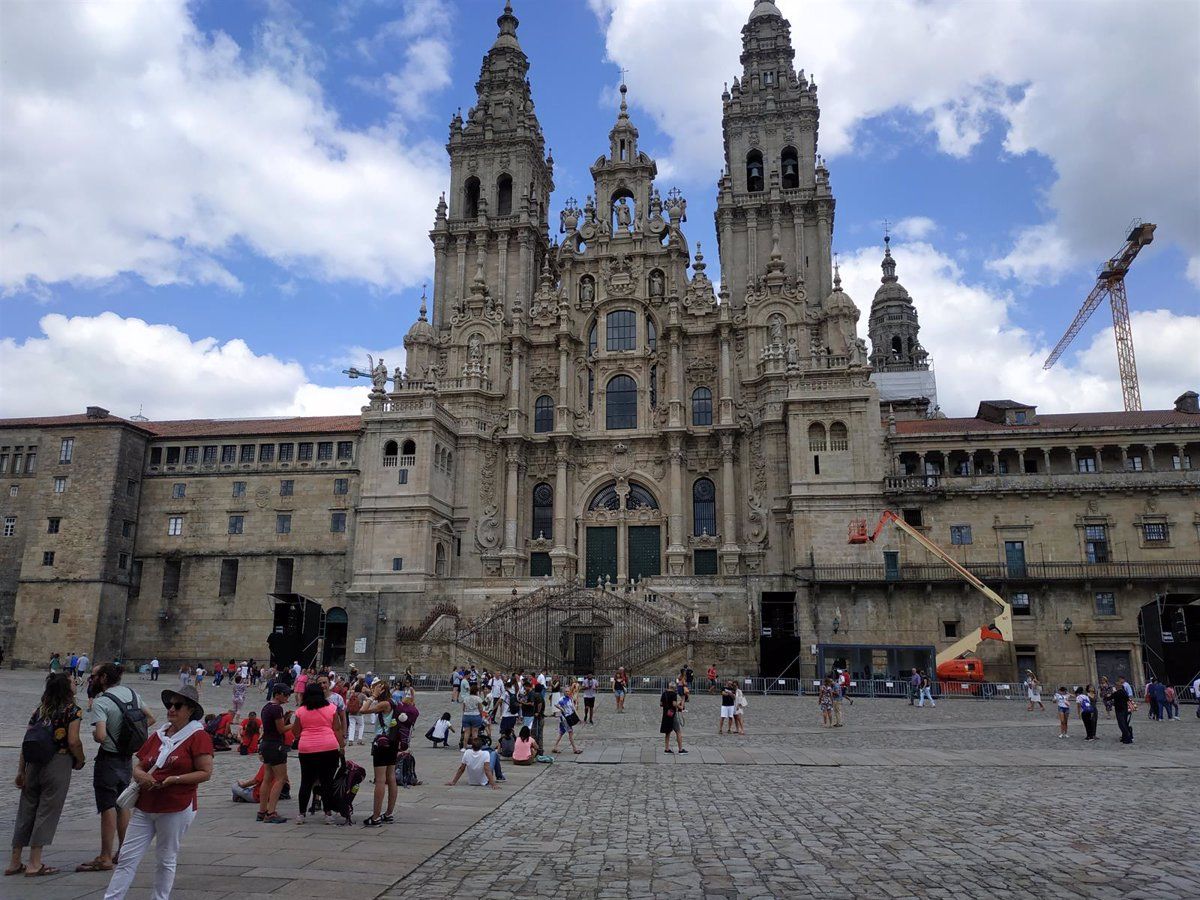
x: 334, y: 647
x: 623, y: 534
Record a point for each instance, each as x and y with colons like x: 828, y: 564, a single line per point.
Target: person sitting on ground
x: 508, y: 741
x: 251, y: 728
x: 479, y: 764
x: 440, y: 732
x: 526, y: 749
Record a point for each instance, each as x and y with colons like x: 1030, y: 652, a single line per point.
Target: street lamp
x: 1067, y: 624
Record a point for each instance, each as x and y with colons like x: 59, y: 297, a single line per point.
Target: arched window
x: 389, y: 448
x: 789, y: 165
x: 620, y: 404
x: 897, y: 347
x: 543, y: 414
x: 839, y: 436
x: 543, y: 512
x: 816, y: 437
x: 704, y: 507
x: 504, y: 195
x: 701, y: 406
x: 606, y: 498
x: 639, y: 498
x: 621, y: 326
x: 439, y: 561
x: 471, y: 198
x: 754, y: 171
x: 651, y: 335
x: 409, y: 448
x: 592, y: 340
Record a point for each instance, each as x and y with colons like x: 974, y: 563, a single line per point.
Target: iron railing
x: 1030, y: 571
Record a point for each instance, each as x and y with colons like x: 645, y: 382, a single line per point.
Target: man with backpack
x: 120, y: 725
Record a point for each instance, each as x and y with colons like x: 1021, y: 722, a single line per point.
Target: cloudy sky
x: 210, y: 208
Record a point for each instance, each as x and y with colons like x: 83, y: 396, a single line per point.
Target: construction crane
x: 1111, y: 283
x: 1000, y: 629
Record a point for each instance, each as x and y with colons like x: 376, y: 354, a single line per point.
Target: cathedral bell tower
x: 773, y: 198
x: 491, y: 232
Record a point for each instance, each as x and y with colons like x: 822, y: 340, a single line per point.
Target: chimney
x: 1188, y: 402
x: 97, y: 412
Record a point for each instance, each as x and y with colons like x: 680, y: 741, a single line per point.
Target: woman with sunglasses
x: 174, y: 760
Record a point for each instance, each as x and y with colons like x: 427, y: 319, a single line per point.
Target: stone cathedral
x: 595, y: 456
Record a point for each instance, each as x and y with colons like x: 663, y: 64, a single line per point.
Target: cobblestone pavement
x: 969, y: 799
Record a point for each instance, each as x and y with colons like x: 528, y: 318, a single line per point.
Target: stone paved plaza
x: 971, y: 799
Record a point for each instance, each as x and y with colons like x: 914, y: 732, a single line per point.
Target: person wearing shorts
x: 590, y: 685
x: 620, y: 687
x: 728, y: 708
x: 385, y: 750
x: 273, y: 751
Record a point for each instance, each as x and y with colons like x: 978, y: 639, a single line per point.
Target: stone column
x: 516, y: 408
x: 460, y: 287
x: 1124, y: 457
x: 502, y: 275
x: 510, y: 555
x: 1150, y: 457
x: 439, y: 278
x: 798, y: 236
x: 562, y: 556
x: 562, y: 417
x: 1182, y: 460
x: 1046, y: 459
x: 995, y: 462
x: 825, y: 266
x: 729, y: 546
x: 1074, y: 461
x: 1099, y: 459
x: 751, y: 246
x: 725, y: 416
x: 675, y: 405
x: 676, y: 550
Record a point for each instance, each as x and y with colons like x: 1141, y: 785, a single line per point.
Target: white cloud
x: 421, y: 38
x: 126, y: 364
x: 1112, y: 99
x: 914, y: 228
x: 980, y: 353
x: 133, y: 143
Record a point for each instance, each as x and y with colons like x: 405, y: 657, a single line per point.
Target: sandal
x: 94, y: 866
x: 16, y: 870
x: 44, y: 870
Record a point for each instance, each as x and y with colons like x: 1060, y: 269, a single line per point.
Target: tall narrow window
x: 816, y: 437
x: 543, y: 414
x: 543, y: 512
x: 229, y: 574
x: 591, y: 389
x: 592, y: 341
x: 191, y: 456
x: 172, y: 572
x: 471, y: 198
x: 754, y: 171
x: 620, y: 403
x: 66, y: 450
x: 1096, y: 537
x: 504, y: 195
x: 60, y: 484
x: 246, y: 454
x: 701, y: 406
x: 283, y: 575
x: 789, y: 164
x: 210, y: 455
x: 409, y: 448
x: 839, y: 437
x: 651, y: 335
x: 175, y: 526
x: 622, y: 330
x: 266, y: 453
x: 704, y: 507
x: 178, y: 490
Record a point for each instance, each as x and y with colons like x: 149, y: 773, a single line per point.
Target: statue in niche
x: 475, y: 349
x: 657, y: 283
x: 587, y: 290
x: 776, y: 326
x: 624, y: 216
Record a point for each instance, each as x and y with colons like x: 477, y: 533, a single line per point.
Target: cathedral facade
x: 595, y: 456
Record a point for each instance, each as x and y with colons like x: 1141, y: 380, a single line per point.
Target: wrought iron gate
x: 575, y: 629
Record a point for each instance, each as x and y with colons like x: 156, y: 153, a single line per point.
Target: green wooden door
x: 645, y: 551
x: 601, y: 554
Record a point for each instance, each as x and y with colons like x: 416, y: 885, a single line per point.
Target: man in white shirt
x: 154, y: 669
x: 477, y: 763
x: 497, y: 687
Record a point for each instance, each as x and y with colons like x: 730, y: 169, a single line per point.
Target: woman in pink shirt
x: 320, y: 747
x: 525, y: 750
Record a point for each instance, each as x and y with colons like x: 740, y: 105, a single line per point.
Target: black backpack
x: 39, y: 747
x: 135, y: 727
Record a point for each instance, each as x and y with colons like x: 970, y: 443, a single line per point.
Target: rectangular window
x: 66, y: 449
x: 283, y: 524
x: 130, y: 488
x: 1181, y: 462
x: 228, y: 454
x: 18, y: 459
x: 913, y: 517
x: 191, y: 456
x: 178, y: 490
x: 175, y: 525
x: 285, y: 452
x: 960, y: 534
x: 247, y: 454
x: 325, y: 450
x: 52, y: 525
x: 704, y: 562
x: 229, y: 574
x: 950, y: 629
x: 266, y: 453
x: 1020, y: 604
x: 135, y: 579
x: 13, y: 490
x: 1031, y: 466
x: 1106, y: 603
x: 404, y: 476
x: 47, y: 557
x: 126, y: 529
x: 283, y: 575
x: 155, y: 456
x: 1003, y: 467
x: 239, y: 489
x: 237, y: 524
x: 31, y: 462
x: 172, y: 570
x: 1133, y: 464
x: 341, y: 486
x: 1019, y: 417
x: 10, y: 526
x: 210, y: 455
x: 891, y: 565
x: 286, y: 487
x: 305, y: 452
x: 122, y: 561
x: 345, y: 450
x: 1087, y: 464
x: 60, y: 484
x: 337, y: 522
x: 55, y: 617
x: 172, y: 456
x: 621, y: 330
x: 3, y: 463
x: 1155, y: 533
x: 1014, y: 558
x: 397, y: 563
x: 1096, y: 543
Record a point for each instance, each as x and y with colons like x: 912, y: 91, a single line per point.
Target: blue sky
x: 262, y: 175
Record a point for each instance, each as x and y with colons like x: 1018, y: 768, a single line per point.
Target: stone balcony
x: 1184, y: 569
x: 1169, y: 479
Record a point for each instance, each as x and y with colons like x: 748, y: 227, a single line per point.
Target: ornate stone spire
x: 422, y: 313
x: 889, y: 264
x: 507, y: 23
x: 765, y: 8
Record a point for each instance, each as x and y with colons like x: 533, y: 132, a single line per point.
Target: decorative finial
x: 421, y: 314
x: 624, y: 90
x: 837, y: 275
x: 889, y: 264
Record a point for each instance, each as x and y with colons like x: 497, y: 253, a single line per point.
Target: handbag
x: 128, y: 798
x: 572, y: 720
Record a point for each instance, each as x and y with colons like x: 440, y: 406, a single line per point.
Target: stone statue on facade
x: 379, y: 376
x: 587, y: 291
x: 858, y: 352
x: 657, y: 283
x: 624, y: 216
x: 475, y: 349
x: 776, y: 326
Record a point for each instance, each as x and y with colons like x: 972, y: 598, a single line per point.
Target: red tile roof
x: 184, y: 428
x: 1151, y: 418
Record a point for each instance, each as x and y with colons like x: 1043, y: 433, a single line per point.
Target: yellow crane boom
x: 999, y: 629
